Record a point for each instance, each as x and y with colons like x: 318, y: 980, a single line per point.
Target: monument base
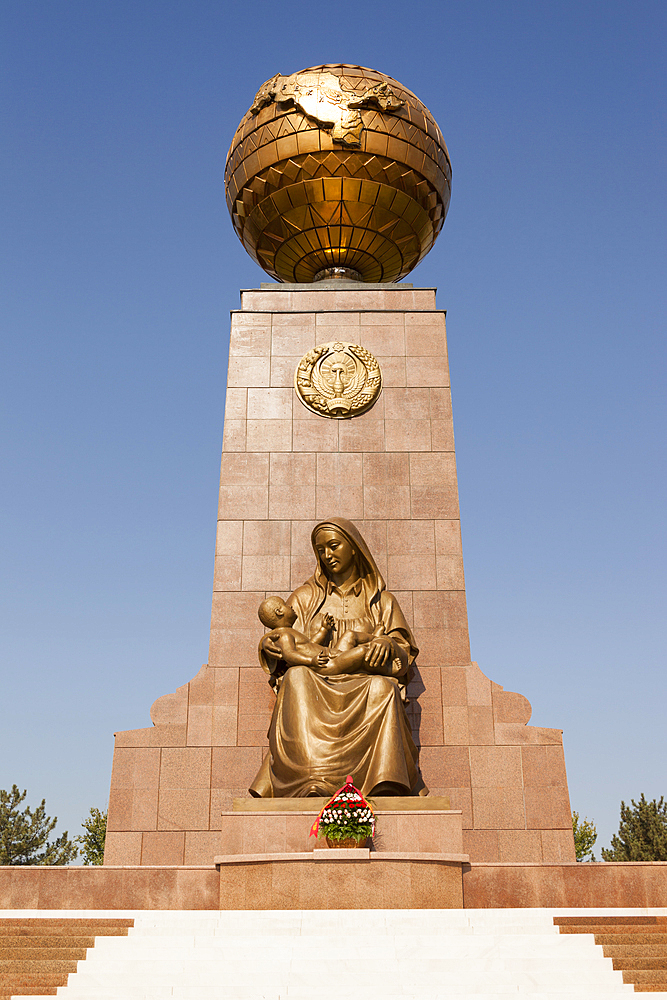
x: 430, y: 882
x: 341, y: 880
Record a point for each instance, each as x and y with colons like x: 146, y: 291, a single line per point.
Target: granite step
x: 37, y: 954
x: 637, y: 945
x: 32, y: 979
x: 9, y: 966
x: 646, y: 976
x: 46, y: 941
x: 637, y: 938
x: 36, y: 989
x: 640, y: 963
x: 634, y: 950
x: 649, y: 930
x: 67, y: 922
x: 605, y: 921
x: 34, y: 985
x: 41, y: 954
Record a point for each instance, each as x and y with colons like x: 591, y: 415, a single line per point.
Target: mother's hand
x: 380, y: 651
x: 270, y: 648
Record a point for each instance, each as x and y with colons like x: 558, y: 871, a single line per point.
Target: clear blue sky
x: 120, y: 266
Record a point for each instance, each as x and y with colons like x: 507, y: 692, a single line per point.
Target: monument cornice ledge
x: 141, y: 868
x: 329, y: 855
x: 340, y: 286
x: 244, y: 312
x: 395, y: 804
x: 325, y: 297
x: 309, y: 812
x: 579, y: 865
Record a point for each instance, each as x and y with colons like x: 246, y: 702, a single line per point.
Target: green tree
x: 24, y: 834
x: 585, y: 835
x: 642, y: 832
x: 92, y: 841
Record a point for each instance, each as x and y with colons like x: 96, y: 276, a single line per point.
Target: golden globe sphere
x: 337, y: 170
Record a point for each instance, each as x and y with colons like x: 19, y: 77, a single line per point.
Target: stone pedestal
x: 270, y: 826
x: 341, y: 880
x: 392, y: 471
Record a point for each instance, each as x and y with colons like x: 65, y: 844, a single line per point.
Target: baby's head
x: 273, y: 612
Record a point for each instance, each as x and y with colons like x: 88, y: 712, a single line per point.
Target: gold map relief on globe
x: 320, y: 97
x: 337, y: 166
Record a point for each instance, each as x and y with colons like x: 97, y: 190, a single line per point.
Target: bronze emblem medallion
x: 338, y: 380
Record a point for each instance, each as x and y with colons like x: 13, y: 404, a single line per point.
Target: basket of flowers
x: 347, y: 820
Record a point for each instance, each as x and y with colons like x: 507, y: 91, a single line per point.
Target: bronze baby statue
x: 296, y: 649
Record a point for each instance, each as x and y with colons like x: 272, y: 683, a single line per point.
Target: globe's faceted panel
x: 337, y: 167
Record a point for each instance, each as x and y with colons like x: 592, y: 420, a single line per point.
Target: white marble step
x: 285, y: 993
x: 394, y: 993
x: 359, y: 946
x: 346, y: 955
x: 493, y: 960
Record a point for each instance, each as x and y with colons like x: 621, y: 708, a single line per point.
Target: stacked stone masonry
x: 393, y: 472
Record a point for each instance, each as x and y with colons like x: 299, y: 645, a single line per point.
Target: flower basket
x: 347, y: 819
x: 348, y: 842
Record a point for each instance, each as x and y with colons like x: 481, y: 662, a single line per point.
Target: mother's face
x: 335, y: 551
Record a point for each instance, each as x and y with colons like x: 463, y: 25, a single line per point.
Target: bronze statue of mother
x: 327, y: 724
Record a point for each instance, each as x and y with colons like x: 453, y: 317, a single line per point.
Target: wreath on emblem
x: 338, y: 380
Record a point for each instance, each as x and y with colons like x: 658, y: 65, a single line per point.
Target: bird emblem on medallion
x: 338, y: 380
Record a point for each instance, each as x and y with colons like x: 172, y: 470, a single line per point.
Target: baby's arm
x: 295, y: 648
x: 328, y: 622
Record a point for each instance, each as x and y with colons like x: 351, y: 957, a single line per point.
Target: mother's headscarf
x: 373, y: 583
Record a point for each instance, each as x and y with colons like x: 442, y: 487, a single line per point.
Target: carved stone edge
x: 342, y: 854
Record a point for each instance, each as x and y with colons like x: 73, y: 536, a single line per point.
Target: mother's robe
x: 325, y: 728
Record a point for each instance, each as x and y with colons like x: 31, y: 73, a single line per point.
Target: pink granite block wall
x: 185, y: 788
x: 135, y: 781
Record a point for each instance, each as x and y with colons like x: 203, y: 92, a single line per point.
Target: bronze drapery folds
x: 343, y: 712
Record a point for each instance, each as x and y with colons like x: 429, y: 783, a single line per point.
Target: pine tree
x: 24, y: 834
x: 642, y: 832
x: 585, y: 835
x: 95, y: 825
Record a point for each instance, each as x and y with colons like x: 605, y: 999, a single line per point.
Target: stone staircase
x: 534, y: 954
x: 37, y: 954
x: 637, y: 946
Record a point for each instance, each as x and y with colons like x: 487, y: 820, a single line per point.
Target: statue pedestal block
x: 341, y: 880
x: 382, y: 803
x: 282, y: 826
